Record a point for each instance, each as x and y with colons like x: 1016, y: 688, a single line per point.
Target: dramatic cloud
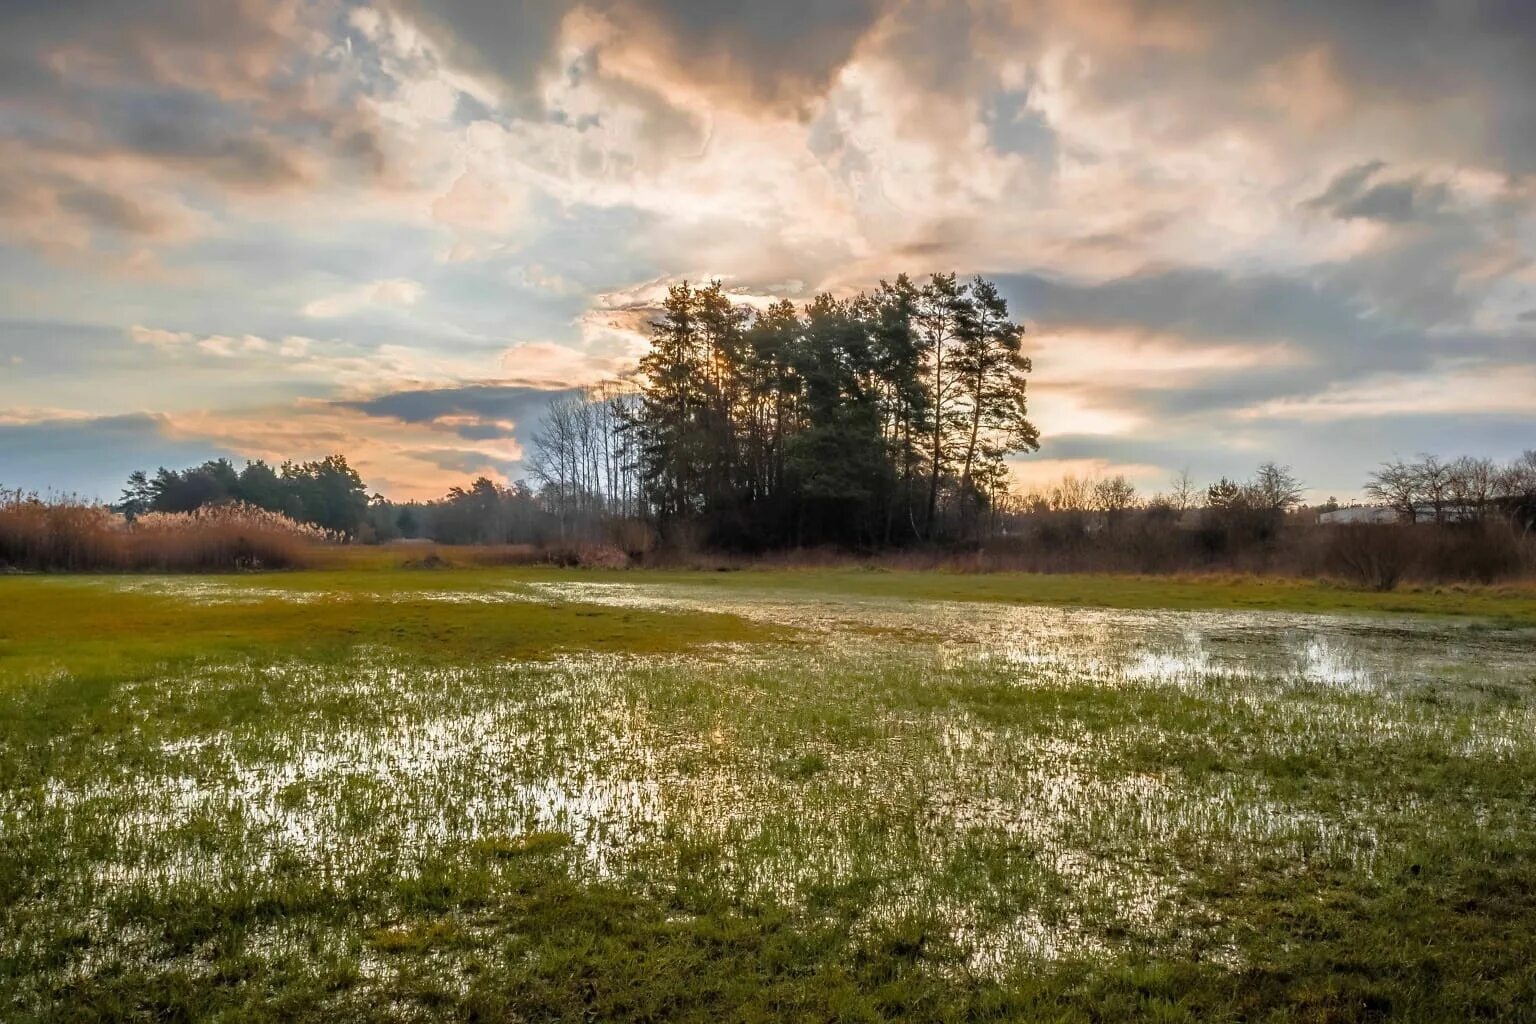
x: 782, y: 53
x: 396, y: 228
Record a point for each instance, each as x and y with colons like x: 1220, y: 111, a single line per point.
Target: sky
x: 1297, y: 230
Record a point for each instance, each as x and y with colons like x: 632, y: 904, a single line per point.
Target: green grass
x: 109, y: 625
x: 537, y: 795
x: 1514, y: 602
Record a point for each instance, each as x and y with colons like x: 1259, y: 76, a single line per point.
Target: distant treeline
x: 1438, y: 521
x: 1425, y: 490
x: 873, y: 423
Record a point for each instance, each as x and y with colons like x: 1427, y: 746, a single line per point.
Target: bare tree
x: 1113, y: 496
x: 1517, y: 490
x: 1072, y: 494
x: 1397, y: 485
x: 1184, y: 495
x: 1519, y: 477
x: 1276, y: 488
x: 1474, y: 487
x: 1435, y: 485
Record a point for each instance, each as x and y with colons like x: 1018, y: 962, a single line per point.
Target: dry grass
x: 69, y: 535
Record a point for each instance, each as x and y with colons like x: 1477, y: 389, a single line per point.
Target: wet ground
x: 1047, y: 784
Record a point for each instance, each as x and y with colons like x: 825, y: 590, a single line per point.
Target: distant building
x: 1359, y: 514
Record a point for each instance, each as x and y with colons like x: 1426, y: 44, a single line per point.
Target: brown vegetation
x: 65, y: 534
x: 1142, y: 543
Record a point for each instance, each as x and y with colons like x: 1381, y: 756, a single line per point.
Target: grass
x: 379, y: 569
x: 375, y: 794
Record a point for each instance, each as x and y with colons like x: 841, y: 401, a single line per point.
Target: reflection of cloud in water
x: 1042, y: 838
x: 1118, y: 645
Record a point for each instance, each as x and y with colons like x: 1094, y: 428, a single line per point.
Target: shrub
x: 1482, y: 552
x: 1377, y: 556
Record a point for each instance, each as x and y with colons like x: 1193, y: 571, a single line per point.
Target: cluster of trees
x: 585, y: 459
x: 871, y: 421
x: 1466, y: 489
x: 326, y: 493
x: 329, y: 494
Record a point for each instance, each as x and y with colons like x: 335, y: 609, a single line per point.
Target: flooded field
x: 806, y: 805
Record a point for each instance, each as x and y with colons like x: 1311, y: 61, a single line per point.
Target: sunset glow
x: 280, y: 229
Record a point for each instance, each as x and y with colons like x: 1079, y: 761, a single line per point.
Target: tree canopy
x: 871, y: 420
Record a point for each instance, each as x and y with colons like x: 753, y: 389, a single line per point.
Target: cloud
x: 508, y: 43
x: 220, y: 345
x: 92, y: 456
x: 1216, y: 353
x: 123, y: 118
x: 1213, y: 217
x: 1352, y: 195
x: 394, y: 293
x: 338, y: 365
x: 473, y: 411
x: 467, y: 463
x: 778, y: 55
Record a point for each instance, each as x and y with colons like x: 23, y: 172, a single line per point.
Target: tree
x: 945, y: 316
x: 1517, y: 490
x: 1396, y: 484
x: 1224, y: 494
x: 1473, y: 486
x: 836, y: 460
x: 673, y: 396
x: 1275, y: 488
x: 993, y: 373
x: 260, y: 485
x: 903, y: 398
x: 138, y: 496
x: 1114, y: 496
x: 328, y: 493
x: 1435, y: 485
x: 1184, y: 495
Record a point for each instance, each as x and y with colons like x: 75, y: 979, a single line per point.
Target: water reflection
x: 1046, y: 780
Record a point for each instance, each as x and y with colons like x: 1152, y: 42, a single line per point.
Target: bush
x: 1481, y: 552
x: 636, y: 539
x: 1377, y: 556
x: 586, y: 555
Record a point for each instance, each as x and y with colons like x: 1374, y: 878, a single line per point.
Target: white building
x: 1360, y: 514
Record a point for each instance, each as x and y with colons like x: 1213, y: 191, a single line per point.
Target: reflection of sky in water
x: 444, y: 757
x: 1084, y: 644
